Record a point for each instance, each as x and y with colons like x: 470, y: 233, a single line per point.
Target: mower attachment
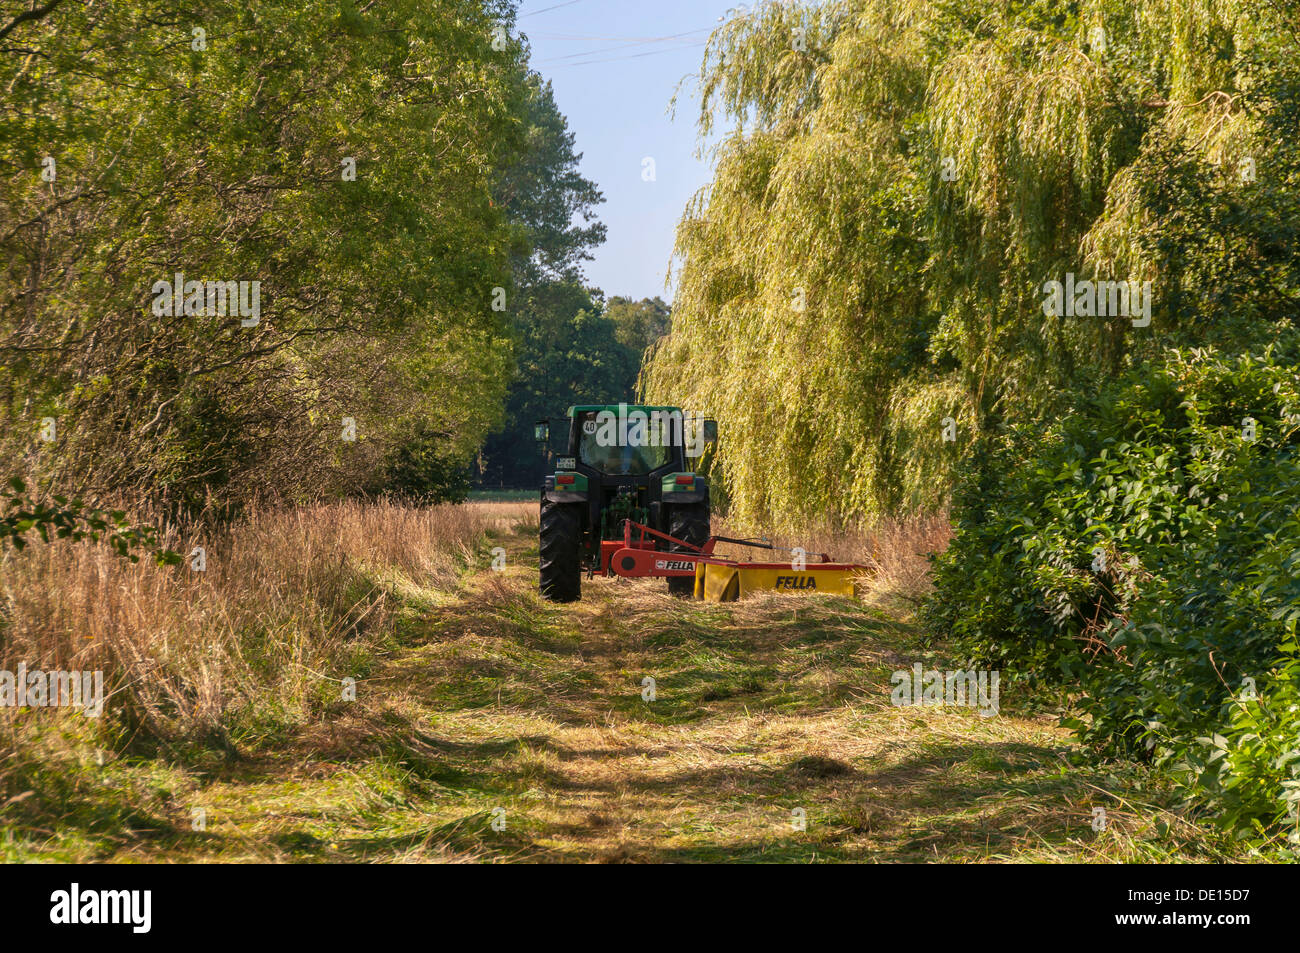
x: 720, y: 579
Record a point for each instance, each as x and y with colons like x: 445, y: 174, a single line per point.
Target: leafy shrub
x: 1248, y: 772
x: 1143, y: 549
x: 425, y: 470
x: 61, y: 518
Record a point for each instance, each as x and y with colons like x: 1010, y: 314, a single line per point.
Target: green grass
x: 502, y: 496
x: 493, y: 701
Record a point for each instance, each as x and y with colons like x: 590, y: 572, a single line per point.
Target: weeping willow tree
x: 895, y: 181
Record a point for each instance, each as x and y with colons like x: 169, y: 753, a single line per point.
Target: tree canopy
x: 900, y: 180
x: 344, y: 157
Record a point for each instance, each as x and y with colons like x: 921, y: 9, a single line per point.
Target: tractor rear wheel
x: 559, y: 552
x: 689, y: 522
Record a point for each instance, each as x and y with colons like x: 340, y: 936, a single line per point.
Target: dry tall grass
x: 248, y: 645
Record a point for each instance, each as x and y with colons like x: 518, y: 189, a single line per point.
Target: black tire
x: 559, y: 552
x: 689, y: 522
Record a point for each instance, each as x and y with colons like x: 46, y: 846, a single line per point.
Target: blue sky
x: 614, y: 65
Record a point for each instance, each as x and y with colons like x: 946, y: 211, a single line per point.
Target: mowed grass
x: 498, y: 727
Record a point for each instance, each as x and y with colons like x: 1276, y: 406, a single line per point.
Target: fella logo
x: 77, y: 906
x: 796, y: 582
x: 682, y: 564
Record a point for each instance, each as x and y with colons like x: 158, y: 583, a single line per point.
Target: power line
x: 635, y: 56
x: 626, y: 44
x: 605, y: 39
x: 568, y: 3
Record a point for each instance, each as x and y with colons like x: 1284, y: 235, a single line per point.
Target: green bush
x: 61, y: 518
x: 425, y: 469
x: 1143, y: 550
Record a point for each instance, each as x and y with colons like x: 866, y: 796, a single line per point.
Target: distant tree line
x: 574, y: 347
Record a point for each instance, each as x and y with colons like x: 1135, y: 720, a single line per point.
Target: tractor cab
x: 626, y: 460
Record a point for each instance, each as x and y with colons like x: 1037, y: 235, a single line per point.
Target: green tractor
x: 621, y: 463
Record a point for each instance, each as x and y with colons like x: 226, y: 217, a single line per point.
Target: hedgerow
x: 1143, y: 549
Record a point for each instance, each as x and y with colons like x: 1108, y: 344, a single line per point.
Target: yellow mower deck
x: 720, y: 582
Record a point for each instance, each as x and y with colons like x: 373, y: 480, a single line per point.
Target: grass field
x: 502, y: 496
x: 489, y: 725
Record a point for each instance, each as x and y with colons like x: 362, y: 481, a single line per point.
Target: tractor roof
x: 614, y: 408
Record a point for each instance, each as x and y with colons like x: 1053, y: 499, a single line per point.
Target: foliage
x: 563, y: 347
x: 638, y: 325
x: 1249, y: 775
x: 867, y: 272
x: 420, y: 470
x: 543, y: 193
x: 61, y: 518
x: 902, y: 178
x: 1143, y: 549
x: 224, y: 157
